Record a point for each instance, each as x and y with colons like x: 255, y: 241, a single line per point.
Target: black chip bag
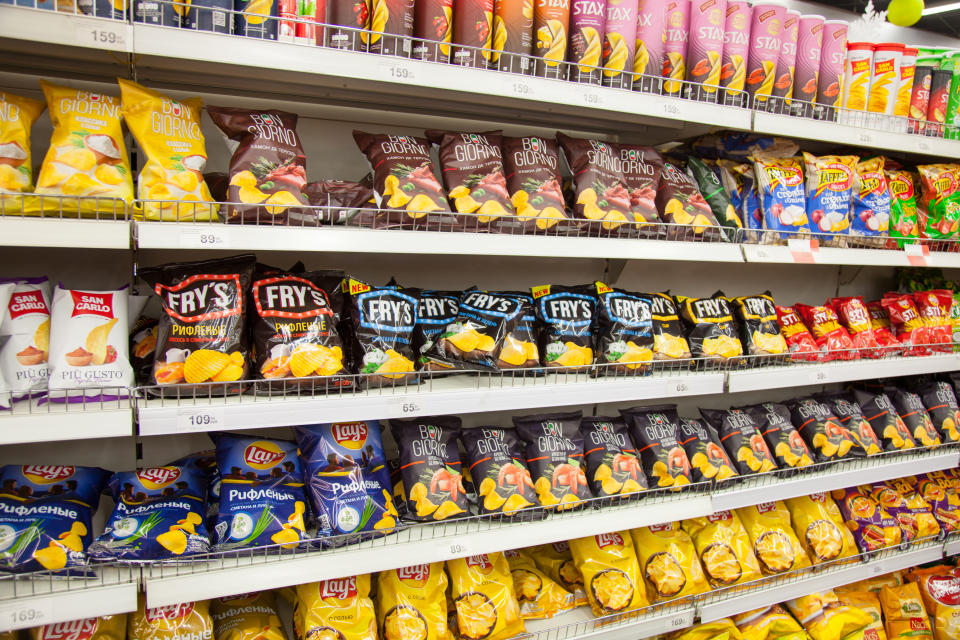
x: 476, y: 336
x: 437, y: 310
x: 519, y: 348
x: 641, y: 167
x: 430, y: 467
x: 494, y: 458
x: 851, y: 417
x: 382, y: 320
x: 612, y: 464
x: 532, y: 166
x: 941, y: 403
x: 716, y: 196
x: 822, y: 431
x: 624, y: 331
x: 669, y: 342
x: 914, y: 415
x: 878, y: 410
x: 741, y: 437
x: 566, y: 316
x: 782, y: 438
x: 680, y: 203
x: 202, y: 335
x: 759, y: 329
x: 710, y: 327
x: 600, y: 192
x: 143, y: 344
x: 707, y: 458
x: 554, y: 454
x: 655, y: 433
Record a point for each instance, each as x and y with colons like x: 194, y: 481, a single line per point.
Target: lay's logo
x: 766, y: 507
x: 481, y: 562
x: 263, y: 454
x: 720, y: 516
x: 73, y: 630
x: 667, y: 526
x: 350, y: 435
x: 605, y: 540
x: 158, y: 477
x: 339, y: 589
x: 818, y: 497
x: 418, y: 574
x: 169, y: 613
x: 46, y: 474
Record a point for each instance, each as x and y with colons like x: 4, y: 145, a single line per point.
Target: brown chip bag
x: 679, y: 202
x: 599, y: 184
x: 341, y: 200
x: 642, y: 167
x: 532, y: 167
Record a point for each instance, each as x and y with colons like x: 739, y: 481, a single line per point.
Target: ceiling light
x: 942, y: 8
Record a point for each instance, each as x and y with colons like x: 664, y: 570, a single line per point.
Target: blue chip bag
x: 871, y: 200
x: 158, y: 514
x: 780, y: 186
x: 262, y: 500
x: 830, y: 184
x: 45, y: 513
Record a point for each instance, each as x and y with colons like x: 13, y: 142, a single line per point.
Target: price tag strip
x: 205, y: 237
x: 201, y: 419
x: 26, y: 612
x: 918, y: 255
x: 104, y: 34
x: 397, y: 71
x: 803, y: 249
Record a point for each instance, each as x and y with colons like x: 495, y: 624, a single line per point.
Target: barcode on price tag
x: 26, y: 613
x: 206, y: 237
x: 200, y: 419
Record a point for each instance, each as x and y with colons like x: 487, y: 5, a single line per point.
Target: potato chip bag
x: 878, y: 410
x: 819, y: 526
x: 872, y: 527
x: 554, y: 454
x: 519, y: 348
x: 782, y: 197
x: 172, y: 622
x: 914, y: 415
x: 710, y: 327
x: 567, y: 316
x: 871, y: 199
x: 832, y: 339
x: 722, y: 629
x: 908, y: 325
x: 168, y: 132
x: 412, y: 603
x: 611, y: 459
x: 937, y: 489
x: 758, y: 327
x: 940, y: 591
x: 822, y: 430
x: 430, y: 467
x: 611, y: 573
x: 855, y: 318
x: 624, y: 331
x: 681, y: 204
x: 654, y: 431
x: 774, y: 542
x: 783, y: 440
x: 831, y: 182
x: 113, y: 627
x: 16, y: 170
x: 248, y: 616
x: 869, y: 602
x: 383, y: 321
x: 880, y: 322
x: 497, y: 466
x: 844, y: 406
x: 437, y: 310
x: 669, y: 343
x: 707, y: 458
x: 47, y: 511
x: 935, y: 308
x: 940, y: 197
x: 904, y: 227
x: 538, y: 595
x: 335, y: 609
x: 706, y: 176
x: 799, y: 340
x: 724, y: 548
x: 825, y: 618
x: 482, y: 331
x: 642, y: 167
x: 769, y: 623
x: 532, y: 166
x: 556, y: 560
x: 484, y: 597
x: 668, y: 562
x: 600, y: 191
x: 159, y: 513
x: 741, y: 437
x: 901, y: 500
x: 904, y: 613
x: 25, y: 337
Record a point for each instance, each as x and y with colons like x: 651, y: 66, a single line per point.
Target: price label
x: 409, y: 408
x: 592, y: 99
x: 103, y: 36
x: 519, y: 88
x: 200, y: 419
x: 802, y: 249
x: 917, y: 254
x: 679, y: 387
x: 865, y: 138
x: 397, y: 72
x: 20, y: 615
x: 877, y: 568
x: 923, y: 146
x: 675, y: 622
x: 818, y: 376
x: 672, y: 109
x: 453, y: 549
x: 206, y: 237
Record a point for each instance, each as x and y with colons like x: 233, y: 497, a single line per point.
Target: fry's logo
x: 350, y: 435
x: 169, y: 613
x: 263, y: 454
x: 158, y: 477
x: 46, y: 474
x: 339, y: 589
x: 73, y: 630
x: 605, y: 540
x: 418, y: 574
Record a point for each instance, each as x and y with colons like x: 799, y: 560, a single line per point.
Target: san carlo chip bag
x: 668, y: 561
x: 158, y: 514
x: 556, y: 561
x: 110, y: 627
x: 203, y: 328
x: 567, y: 317
x: 600, y: 191
x: 484, y: 597
x: 872, y: 527
x: 850, y: 414
x: 16, y: 169
x: 938, y: 491
x: 799, y: 340
x: 707, y: 458
x: 382, y: 321
x: 871, y: 200
x: 830, y: 188
x: 412, y: 603
x: 554, y: 454
x: 477, y: 336
x: 532, y: 167
x: 869, y: 602
x: 168, y: 132
x: 879, y: 412
x: 669, y: 343
x: 680, y: 203
x: 624, y: 336
x: 782, y: 197
x: 336, y: 609
x: 783, y: 440
x: 819, y: 526
x: 642, y: 167
x: 941, y: 198
x: 724, y: 548
x: 711, y: 330
x: 496, y: 463
x: 655, y: 433
x: 915, y: 417
x: 437, y: 310
x: 832, y: 339
x: 902, y: 501
x: 759, y: 330
x: 769, y: 623
x: 904, y: 613
x: 472, y: 168
x: 612, y: 464
x: 822, y: 431
x: 774, y: 542
x: 267, y: 169
x: 825, y: 618
x: 741, y: 437
x: 538, y: 595
x: 939, y: 588
x: 47, y: 510
x: 941, y: 404
x: 248, y: 616
x: 430, y: 467
x: 855, y: 317
x: 611, y: 572
x: 903, y: 224
x: 88, y: 344
x: 25, y: 337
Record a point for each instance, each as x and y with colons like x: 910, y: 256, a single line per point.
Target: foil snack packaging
x: 532, y: 168
x: 668, y: 561
x: 567, y: 316
x: 430, y: 467
x: 382, y: 320
x: 783, y: 440
x: 655, y: 432
x: 412, y: 602
x: 776, y: 546
x: 25, y: 333
x: 624, y: 336
x: 724, y: 548
x: 707, y: 458
x: 611, y: 572
x: 496, y: 464
x: 340, y: 607
x: 554, y: 454
x: 613, y: 467
x: 484, y: 598
x: 741, y: 437
x: 16, y: 169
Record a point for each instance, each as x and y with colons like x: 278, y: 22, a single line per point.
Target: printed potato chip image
x: 936, y: 488
x: 710, y: 327
x: 383, y: 321
x: 901, y: 500
x: 910, y: 408
x: 941, y: 404
x: 759, y: 330
x: 669, y: 561
x: 669, y: 341
x: 872, y: 527
x: 740, y: 436
x: 625, y: 331
x: 772, y: 622
x: 497, y: 466
x: 246, y: 616
x: 166, y: 623
x: 680, y: 202
x: 886, y: 424
x: 486, y: 325
x: 567, y: 317
x: 724, y: 548
x: 437, y: 310
x: 484, y: 597
x: 611, y: 572
x: 556, y: 560
x: 16, y: 168
x: 532, y: 167
x: 822, y: 431
x: 601, y: 195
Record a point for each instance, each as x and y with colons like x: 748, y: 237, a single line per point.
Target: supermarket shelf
x: 780, y: 254
x: 580, y: 623
x: 457, y: 395
x: 59, y: 232
x: 30, y: 421
x: 799, y: 375
x: 228, y: 575
x: 56, y: 28
x: 952, y: 546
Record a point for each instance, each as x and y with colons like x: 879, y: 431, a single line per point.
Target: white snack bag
x: 88, y: 344
x: 26, y: 327
x: 5, y: 291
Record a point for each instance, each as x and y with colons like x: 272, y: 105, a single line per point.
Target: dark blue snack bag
x: 45, y: 513
x: 437, y: 310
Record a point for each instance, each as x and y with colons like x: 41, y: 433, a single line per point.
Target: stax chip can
x: 588, y: 19
x: 512, y: 35
x: 551, y: 20
x: 473, y: 27
x: 705, y: 50
x: 908, y: 65
x: 676, y: 36
x: 783, y: 87
x: 648, y: 53
x: 857, y: 72
x: 940, y: 84
x: 347, y: 13
x: 832, y: 58
x: 807, y: 67
x: 619, y: 43
x: 432, y: 29
x: 885, y: 78
x: 736, y: 49
x: 920, y: 99
x: 391, y: 26
x: 766, y: 40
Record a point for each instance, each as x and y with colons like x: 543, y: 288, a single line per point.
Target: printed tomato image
x: 554, y: 453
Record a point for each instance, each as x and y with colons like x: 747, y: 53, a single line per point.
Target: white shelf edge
x: 17, y: 231
x: 59, y: 426
x: 25, y: 611
x: 778, y: 254
x: 53, y: 27
x: 951, y: 547
x: 662, y: 620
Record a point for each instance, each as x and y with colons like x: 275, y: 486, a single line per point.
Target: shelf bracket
x: 613, y: 269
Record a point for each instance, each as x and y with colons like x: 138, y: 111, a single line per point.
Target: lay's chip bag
x: 172, y: 622
x: 940, y: 590
x: 47, y: 510
x: 499, y: 471
x: 248, y: 616
x: 113, y: 627
x: 774, y: 542
x: 538, y: 595
x: 668, y: 561
x: 556, y: 560
x: 769, y: 623
x: 484, y: 597
x: 412, y: 603
x: 611, y: 573
x: 724, y: 548
x: 669, y: 342
x: 825, y: 618
x: 904, y: 613
x: 16, y: 170
x: 336, y: 609
x: 158, y: 514
x: 819, y: 526
x: 869, y: 602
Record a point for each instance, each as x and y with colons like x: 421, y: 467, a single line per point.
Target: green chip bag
x: 716, y: 196
x: 904, y: 228
x: 941, y: 194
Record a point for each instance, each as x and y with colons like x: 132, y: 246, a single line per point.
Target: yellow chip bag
x: 825, y: 618
x: 904, y: 612
x: 610, y: 571
x: 769, y: 623
x: 86, y: 156
x: 556, y: 561
x: 819, y: 526
x: 940, y: 590
x: 484, y: 597
x: 774, y: 542
x: 102, y: 628
x: 249, y: 616
x: 17, y: 115
x: 722, y: 629
x: 412, y: 603
x: 724, y: 548
x: 168, y: 132
x: 668, y: 561
x: 173, y: 622
x: 869, y: 602
x: 335, y: 609
x: 537, y: 593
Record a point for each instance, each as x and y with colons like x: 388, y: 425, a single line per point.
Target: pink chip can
x: 676, y: 34
x: 807, y: 69
x: 832, y: 58
x: 648, y: 57
x: 786, y: 63
x: 766, y: 40
x: 736, y: 45
x: 587, y: 21
x: 619, y: 42
x: 705, y: 49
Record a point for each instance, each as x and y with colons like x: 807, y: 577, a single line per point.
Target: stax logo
x: 157, y: 477
x: 46, y: 474
x: 263, y: 454
x: 481, y: 563
x: 26, y: 302
x: 339, y: 589
x: 86, y: 303
x: 605, y: 540
x: 169, y: 614
x: 350, y: 435
x: 73, y: 630
x: 417, y: 574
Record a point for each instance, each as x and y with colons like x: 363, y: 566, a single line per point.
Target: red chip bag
x: 855, y: 318
x: 880, y: 321
x: 799, y: 340
x: 934, y: 307
x: 908, y: 324
x: 833, y: 339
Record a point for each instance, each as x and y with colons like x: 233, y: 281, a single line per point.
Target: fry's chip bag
x: 941, y: 198
x: 707, y: 458
x: 869, y: 602
x: 710, y: 327
x: 519, y: 348
x: 741, y: 437
x: 938, y: 491
x: 430, y: 467
x: 669, y: 343
x: 782, y: 198
x: 477, y: 337
x: 496, y: 464
x: 769, y: 623
x: 850, y: 414
x: 567, y: 316
x: 611, y: 573
x: 556, y: 560
x: 822, y: 431
x: 655, y: 433
x: 774, y: 542
x: 904, y: 612
x: 940, y: 591
x: 248, y: 616
x: 668, y: 561
x: 832, y: 339
x: 819, y: 526
x: 724, y: 548
x: 173, y: 622
x: 538, y: 595
x: 611, y: 459
x: 830, y: 188
x: 625, y: 330
x: 872, y: 527
x: 554, y: 454
x: 904, y: 227
x: 799, y: 340
x: 915, y: 417
x: 383, y: 321
x: 438, y: 309
x: 16, y: 170
x: 902, y: 501
x: 484, y: 597
x: 824, y: 618
x: 759, y: 329
x: 111, y: 627
x: 871, y: 199
x: 335, y: 609
x: 879, y: 412
x: 782, y: 438
x: 722, y: 629
x: 412, y: 603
